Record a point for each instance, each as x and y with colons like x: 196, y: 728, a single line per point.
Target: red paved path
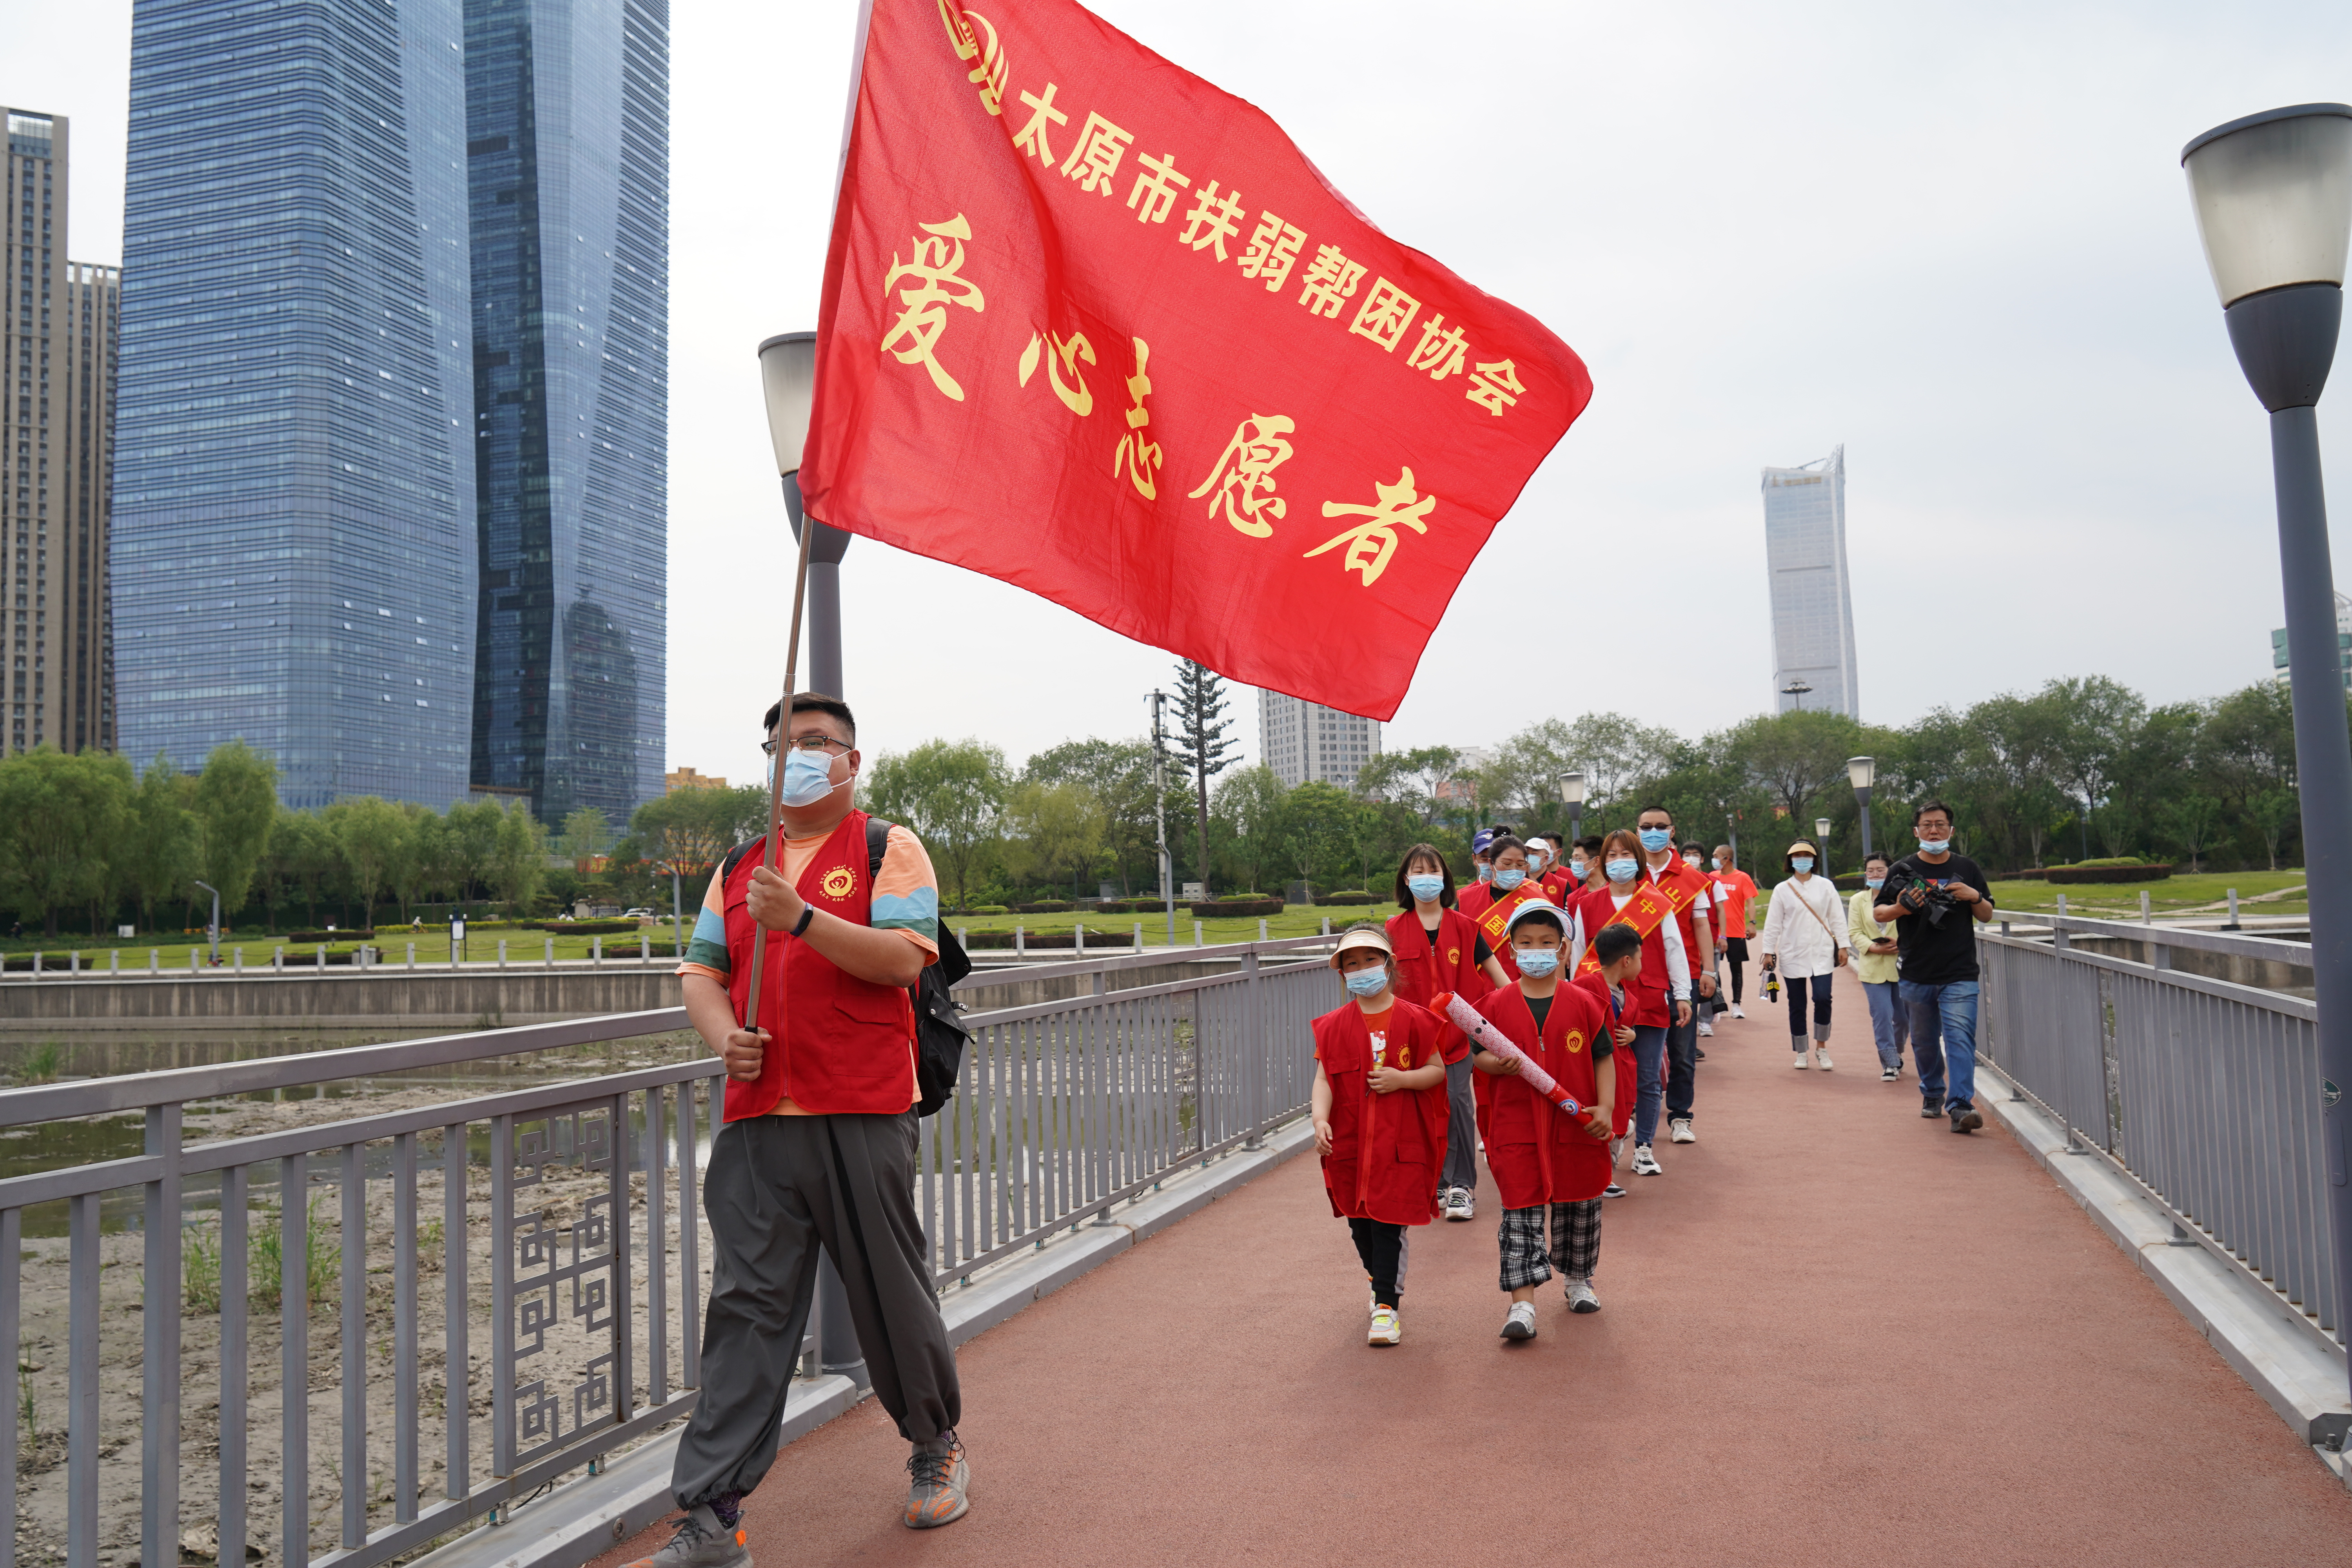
x: 1832, y: 1332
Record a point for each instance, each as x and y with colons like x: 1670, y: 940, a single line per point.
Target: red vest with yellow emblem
x: 837, y: 1045
x: 1647, y: 911
x: 1424, y: 967
x: 1489, y: 910
x: 1386, y: 1149
x: 1537, y: 1155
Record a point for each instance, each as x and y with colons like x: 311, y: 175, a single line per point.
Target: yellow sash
x: 1496, y: 921
x: 1644, y: 911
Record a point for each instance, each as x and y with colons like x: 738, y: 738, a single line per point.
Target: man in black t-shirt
x: 1935, y: 897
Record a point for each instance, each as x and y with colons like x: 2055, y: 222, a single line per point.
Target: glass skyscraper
x: 1812, y: 598
x: 567, y: 122
x: 294, y: 507
x: 391, y: 485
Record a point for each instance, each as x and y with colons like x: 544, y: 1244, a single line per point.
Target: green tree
x: 372, y: 835
x: 424, y: 851
x: 519, y: 862
x: 471, y: 846
x: 1119, y: 774
x: 1793, y: 757
x: 2101, y: 716
x: 2191, y: 823
x: 161, y: 841
x: 1199, y: 745
x: 1316, y: 823
x: 299, y: 864
x: 2271, y: 813
x: 586, y: 835
x: 1057, y: 832
x: 1411, y: 779
x: 237, y: 802
x: 951, y: 794
x: 60, y: 816
x: 1617, y: 755
x: 1252, y: 806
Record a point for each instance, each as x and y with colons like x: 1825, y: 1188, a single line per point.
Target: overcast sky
x: 1954, y: 239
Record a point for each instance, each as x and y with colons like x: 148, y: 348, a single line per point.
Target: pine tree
x: 1200, y: 742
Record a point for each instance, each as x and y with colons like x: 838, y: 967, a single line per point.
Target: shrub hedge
x: 1226, y: 909
x: 1038, y: 940
x: 1349, y: 896
x: 1047, y: 907
x: 313, y: 938
x: 2088, y: 872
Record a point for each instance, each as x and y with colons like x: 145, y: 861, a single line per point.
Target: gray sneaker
x: 702, y: 1542
x: 941, y: 1481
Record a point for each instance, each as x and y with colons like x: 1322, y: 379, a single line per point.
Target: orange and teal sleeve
x: 907, y: 893
x: 705, y: 949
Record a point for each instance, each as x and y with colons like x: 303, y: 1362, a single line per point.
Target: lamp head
x: 788, y: 376
x: 1572, y: 789
x: 1821, y: 828
x: 1863, y: 770
x: 2272, y: 195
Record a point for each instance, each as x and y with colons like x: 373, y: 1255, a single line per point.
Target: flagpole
x: 776, y: 771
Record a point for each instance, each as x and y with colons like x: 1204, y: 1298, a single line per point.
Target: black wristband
x: 808, y: 913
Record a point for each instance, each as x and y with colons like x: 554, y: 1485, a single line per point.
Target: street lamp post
x: 1731, y: 836
x: 1571, y: 794
x: 1159, y: 810
x: 212, y: 932
x: 1822, y: 844
x: 788, y: 379
x: 2272, y: 195
x: 1796, y: 688
x: 1864, y: 771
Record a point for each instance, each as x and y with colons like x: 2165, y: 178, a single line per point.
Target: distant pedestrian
x: 1735, y: 895
x: 1804, y: 943
x: 1436, y: 949
x: 1935, y: 897
x: 1876, y: 965
x: 1380, y: 1111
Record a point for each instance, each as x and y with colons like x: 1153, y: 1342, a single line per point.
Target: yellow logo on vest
x: 1575, y: 1041
x: 838, y: 883
x: 1453, y: 957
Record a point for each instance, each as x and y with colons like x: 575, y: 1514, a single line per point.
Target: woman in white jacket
x: 1802, y: 941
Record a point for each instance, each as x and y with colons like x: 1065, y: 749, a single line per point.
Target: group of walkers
x: 1548, y: 1015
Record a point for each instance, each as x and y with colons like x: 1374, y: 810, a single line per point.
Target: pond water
x: 52, y: 1145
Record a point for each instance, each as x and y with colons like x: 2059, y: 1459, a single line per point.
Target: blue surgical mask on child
x: 1535, y: 963
x: 1368, y: 982
x: 1657, y: 838
x: 808, y: 778
x: 1801, y: 863
x: 1507, y: 878
x: 1424, y: 886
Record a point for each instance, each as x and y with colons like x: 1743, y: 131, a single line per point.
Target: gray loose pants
x: 1461, y: 1129
x: 780, y: 1187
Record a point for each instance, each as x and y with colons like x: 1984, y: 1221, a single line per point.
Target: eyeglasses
x: 825, y: 743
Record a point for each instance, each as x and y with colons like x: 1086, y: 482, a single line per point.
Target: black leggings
x: 1797, y: 984
x: 1382, y: 1247
x: 1735, y: 958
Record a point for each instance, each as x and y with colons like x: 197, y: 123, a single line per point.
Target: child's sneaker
x: 1460, y: 1205
x: 1386, y: 1329
x: 1581, y: 1298
x: 1521, y: 1323
x: 1612, y: 1191
x: 1645, y: 1162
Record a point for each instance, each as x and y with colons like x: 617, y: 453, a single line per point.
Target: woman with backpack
x: 1802, y: 945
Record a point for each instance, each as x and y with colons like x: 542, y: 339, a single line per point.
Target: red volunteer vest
x: 1646, y: 999
x: 1537, y: 1155
x: 1386, y: 1149
x: 1629, y: 1077
x: 1424, y: 967
x: 1684, y: 886
x: 838, y: 1045
x: 1490, y: 911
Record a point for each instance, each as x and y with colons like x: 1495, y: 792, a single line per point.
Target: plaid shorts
x: 1576, y: 1243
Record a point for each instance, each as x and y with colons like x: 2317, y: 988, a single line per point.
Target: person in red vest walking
x: 1688, y: 889
x: 1436, y: 949
x: 1659, y: 996
x: 818, y: 1146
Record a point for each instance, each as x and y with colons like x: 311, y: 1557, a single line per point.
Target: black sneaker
x: 702, y: 1542
x: 1930, y: 1112
x: 1967, y: 1119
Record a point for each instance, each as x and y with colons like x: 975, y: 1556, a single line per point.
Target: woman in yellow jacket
x: 1873, y: 965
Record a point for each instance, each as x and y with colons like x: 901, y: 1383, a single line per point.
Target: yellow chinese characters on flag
x: 1094, y: 326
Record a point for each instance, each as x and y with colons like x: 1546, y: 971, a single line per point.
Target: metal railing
x: 479, y: 1296
x: 2205, y: 1091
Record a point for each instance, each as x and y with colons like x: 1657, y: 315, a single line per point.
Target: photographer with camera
x: 1935, y: 897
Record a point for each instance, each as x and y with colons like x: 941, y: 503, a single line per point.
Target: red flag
x: 1094, y: 326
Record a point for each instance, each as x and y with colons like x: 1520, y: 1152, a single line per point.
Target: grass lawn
x: 392, y: 942
x: 1296, y: 920
x: 2176, y: 894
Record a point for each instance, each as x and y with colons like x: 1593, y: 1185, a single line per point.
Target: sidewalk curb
x: 589, y: 1515
x: 2244, y: 1323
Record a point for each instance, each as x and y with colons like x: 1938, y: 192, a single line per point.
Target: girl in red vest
x: 1380, y: 1112
x: 1438, y: 950
x: 1547, y: 1164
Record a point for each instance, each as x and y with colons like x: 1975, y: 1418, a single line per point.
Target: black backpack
x: 940, y: 1034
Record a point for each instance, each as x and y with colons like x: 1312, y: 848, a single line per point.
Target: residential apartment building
x: 1302, y: 741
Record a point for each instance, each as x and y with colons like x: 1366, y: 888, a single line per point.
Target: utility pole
x: 1159, y: 810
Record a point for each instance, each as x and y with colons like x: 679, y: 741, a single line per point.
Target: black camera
x: 1936, y: 901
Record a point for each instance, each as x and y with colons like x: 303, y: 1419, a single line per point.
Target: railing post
x: 412, y: 956
x: 114, y: 961
x: 2234, y: 910
x: 550, y: 952
x: 277, y: 959
x: 645, y: 948
x: 1078, y: 938
x: 2145, y: 916
x: 1196, y: 935
x: 1254, y: 1053
x: 322, y: 958
x: 1139, y: 936
x: 239, y: 953
x: 193, y: 954
x: 73, y: 961
x: 502, y: 953
x: 37, y: 963
x: 1261, y: 930
x: 159, y: 1458
x: 1020, y: 943
x: 596, y: 950
x: 154, y: 960
x: 12, y: 1263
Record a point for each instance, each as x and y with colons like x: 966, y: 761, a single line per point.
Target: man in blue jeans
x: 1935, y: 897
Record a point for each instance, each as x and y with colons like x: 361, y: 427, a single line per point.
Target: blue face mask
x: 1801, y: 863
x: 1425, y: 888
x: 1874, y: 883
x: 1935, y: 845
x: 1485, y: 873
x: 1507, y: 880
x: 1576, y: 869
x: 1622, y: 871
x: 1367, y: 982
x: 1535, y: 963
x: 1657, y: 838
x: 808, y: 778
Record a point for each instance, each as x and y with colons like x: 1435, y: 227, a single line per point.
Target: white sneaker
x: 1736, y: 1012
x: 1617, y: 1151
x: 1581, y: 1298
x: 1705, y: 1030
x: 1460, y: 1206
x: 1822, y: 1057
x: 1645, y: 1164
x: 1521, y: 1323
x: 1679, y: 1131
x: 1612, y: 1191
x: 1800, y: 1064
x: 1386, y: 1330
x: 1888, y: 1075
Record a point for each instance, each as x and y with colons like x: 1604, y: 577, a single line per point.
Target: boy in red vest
x: 1437, y: 949
x: 1380, y: 1111
x: 1616, y: 961
x: 1547, y: 1164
